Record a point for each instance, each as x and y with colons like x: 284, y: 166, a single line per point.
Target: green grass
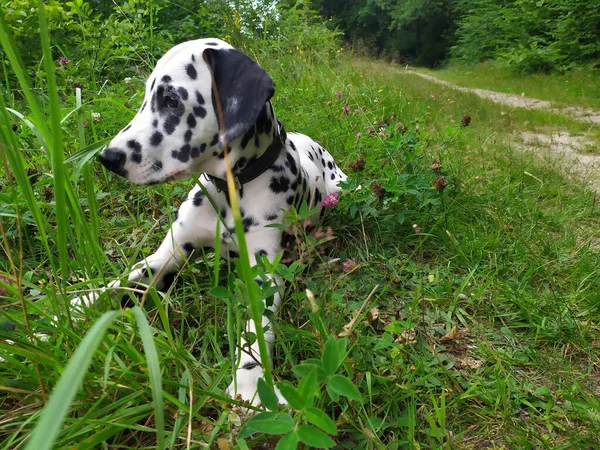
x: 579, y: 87
x: 508, y: 256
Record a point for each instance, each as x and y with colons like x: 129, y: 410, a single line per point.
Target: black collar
x: 260, y: 165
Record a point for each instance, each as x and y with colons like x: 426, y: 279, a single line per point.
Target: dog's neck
x: 245, y: 150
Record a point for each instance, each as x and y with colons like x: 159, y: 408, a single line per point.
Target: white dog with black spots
x: 203, y: 97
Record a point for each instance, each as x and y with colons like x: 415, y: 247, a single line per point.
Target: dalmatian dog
x: 205, y: 98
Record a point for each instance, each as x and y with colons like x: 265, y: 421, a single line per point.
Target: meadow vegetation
x: 451, y: 301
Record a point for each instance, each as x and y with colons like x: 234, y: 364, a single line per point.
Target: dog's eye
x: 171, y: 102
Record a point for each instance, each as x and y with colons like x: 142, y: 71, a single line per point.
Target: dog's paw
x: 245, y: 386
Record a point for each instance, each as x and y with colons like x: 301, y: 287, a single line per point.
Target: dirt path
x: 576, y: 112
x: 574, y: 155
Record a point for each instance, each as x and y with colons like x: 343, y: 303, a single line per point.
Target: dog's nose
x: 113, y: 159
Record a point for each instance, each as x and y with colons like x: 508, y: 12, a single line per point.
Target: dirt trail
x: 578, y: 155
x: 575, y: 112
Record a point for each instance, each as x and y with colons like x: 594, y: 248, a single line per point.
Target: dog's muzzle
x: 114, y: 160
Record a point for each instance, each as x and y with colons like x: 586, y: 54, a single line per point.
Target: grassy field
x: 476, y: 306
x: 579, y: 87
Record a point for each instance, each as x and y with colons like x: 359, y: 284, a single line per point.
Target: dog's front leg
x: 193, y: 230
x: 248, y: 359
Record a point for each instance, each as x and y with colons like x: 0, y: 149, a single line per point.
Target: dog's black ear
x: 242, y: 86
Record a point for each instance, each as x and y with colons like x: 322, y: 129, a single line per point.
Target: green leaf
x: 313, y: 437
x: 221, y: 292
x: 321, y: 420
x: 343, y: 386
x: 271, y: 423
x: 331, y: 356
x: 291, y: 394
x: 267, y: 395
x: 307, y: 388
x: 288, y: 442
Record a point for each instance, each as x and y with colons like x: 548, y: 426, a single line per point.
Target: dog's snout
x: 113, y: 159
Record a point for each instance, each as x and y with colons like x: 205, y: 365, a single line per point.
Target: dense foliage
x: 527, y: 35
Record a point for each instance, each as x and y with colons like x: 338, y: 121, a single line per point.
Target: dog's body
x: 202, y: 96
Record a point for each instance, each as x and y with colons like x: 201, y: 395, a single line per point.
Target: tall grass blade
x: 53, y: 415
x: 154, y: 374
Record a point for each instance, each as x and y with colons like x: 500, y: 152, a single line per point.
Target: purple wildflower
x: 339, y: 94
x: 349, y: 265
x: 330, y: 200
x: 346, y: 109
x: 63, y: 60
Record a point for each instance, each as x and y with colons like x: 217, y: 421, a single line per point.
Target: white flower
x: 96, y: 116
x: 127, y: 80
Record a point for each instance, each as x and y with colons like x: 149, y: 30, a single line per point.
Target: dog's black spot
x: 166, y: 79
x: 290, y: 200
x: 322, y: 162
x: 153, y: 83
x: 156, y: 138
x: 156, y: 165
x: 221, y: 155
x: 256, y: 140
x: 187, y: 137
x: 126, y: 128
x: 320, y: 150
x: 291, y: 163
x: 261, y: 252
x: 303, y: 184
x: 193, y: 58
x: 310, y: 156
x: 200, y: 111
x: 183, y: 154
x: 191, y: 71
x: 211, y: 43
x: 167, y: 280
x: 271, y: 217
x: 247, y: 136
x: 198, y: 198
x: 318, y: 196
x: 323, y: 174
x: 279, y: 184
x: 136, y: 157
x: 215, y: 139
x: 330, y: 165
x: 241, y: 163
x: 248, y: 222
x: 155, y: 123
x: 188, y: 247
x: 191, y: 121
x: 143, y: 107
x: 277, y: 168
x: 333, y: 176
x: 294, y: 185
x: 199, y: 98
x: 171, y: 123
x: 223, y: 213
x: 134, y: 145
x: 196, y: 151
x: 231, y: 254
x: 293, y: 147
x: 183, y: 93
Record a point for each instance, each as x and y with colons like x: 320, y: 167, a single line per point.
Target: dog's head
x: 201, y: 95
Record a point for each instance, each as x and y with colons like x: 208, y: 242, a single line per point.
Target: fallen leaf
x: 373, y: 316
x: 452, y: 335
x: 407, y: 337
